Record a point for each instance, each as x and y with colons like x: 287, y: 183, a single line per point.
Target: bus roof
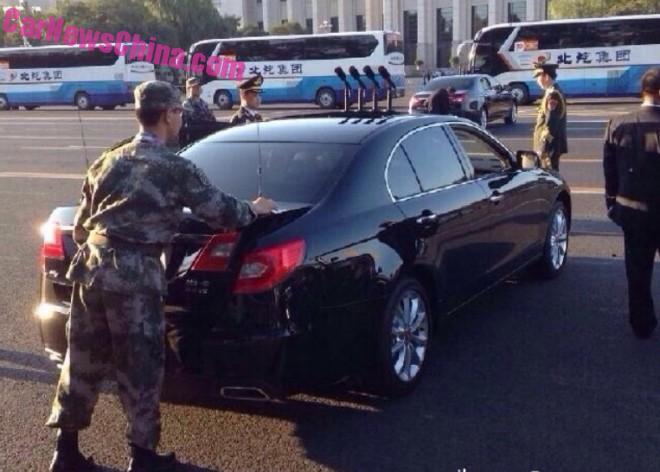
x: 54, y: 47
x: 568, y: 21
x: 294, y: 36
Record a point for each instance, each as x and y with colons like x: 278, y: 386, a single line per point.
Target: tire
x: 83, y: 101
x: 402, y: 357
x: 326, y: 98
x: 4, y: 102
x: 483, y: 118
x: 521, y: 93
x: 512, y: 117
x: 223, y: 100
x: 108, y: 107
x: 555, y: 248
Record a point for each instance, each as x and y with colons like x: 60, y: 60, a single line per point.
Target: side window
x: 401, y: 177
x: 485, y: 158
x: 434, y: 159
x: 485, y: 84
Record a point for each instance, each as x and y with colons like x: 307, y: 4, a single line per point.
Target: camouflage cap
x: 156, y: 95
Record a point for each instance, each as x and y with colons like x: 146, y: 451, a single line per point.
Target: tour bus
x: 300, y: 68
x: 596, y: 56
x: 68, y: 75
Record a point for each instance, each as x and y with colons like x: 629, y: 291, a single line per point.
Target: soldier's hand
x: 263, y: 206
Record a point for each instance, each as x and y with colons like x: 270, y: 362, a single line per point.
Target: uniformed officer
x: 131, y: 205
x: 550, y: 130
x: 250, y: 92
x: 631, y: 161
x: 195, y: 109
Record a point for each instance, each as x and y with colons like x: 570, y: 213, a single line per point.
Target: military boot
x: 144, y: 460
x: 67, y: 457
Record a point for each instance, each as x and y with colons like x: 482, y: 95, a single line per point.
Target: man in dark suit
x: 250, y: 92
x: 550, y: 129
x: 631, y: 161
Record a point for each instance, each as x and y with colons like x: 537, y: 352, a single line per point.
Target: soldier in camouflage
x: 195, y: 110
x: 131, y: 205
x: 250, y: 92
x: 550, y: 140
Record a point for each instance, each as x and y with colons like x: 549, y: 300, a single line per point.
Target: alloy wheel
x: 558, y: 239
x: 409, y: 335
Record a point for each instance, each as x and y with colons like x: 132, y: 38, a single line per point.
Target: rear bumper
x: 272, y: 361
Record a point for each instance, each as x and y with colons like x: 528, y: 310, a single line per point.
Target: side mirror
x: 528, y: 160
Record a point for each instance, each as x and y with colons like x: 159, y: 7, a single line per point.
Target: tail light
x: 263, y: 269
x: 457, y: 97
x: 215, y: 255
x: 52, y: 248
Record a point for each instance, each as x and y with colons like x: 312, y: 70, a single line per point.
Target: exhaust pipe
x: 236, y: 392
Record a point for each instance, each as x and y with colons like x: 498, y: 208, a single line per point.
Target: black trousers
x: 642, y: 242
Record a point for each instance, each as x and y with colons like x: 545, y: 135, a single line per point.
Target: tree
x: 288, y: 28
x: 252, y: 30
x: 599, y: 8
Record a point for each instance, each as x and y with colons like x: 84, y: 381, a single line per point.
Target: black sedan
x: 478, y: 97
x: 387, y: 224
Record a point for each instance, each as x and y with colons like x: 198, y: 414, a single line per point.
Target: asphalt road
x: 541, y: 376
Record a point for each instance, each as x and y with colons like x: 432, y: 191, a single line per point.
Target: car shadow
x: 534, y: 375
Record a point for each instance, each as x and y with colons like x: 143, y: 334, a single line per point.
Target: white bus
x: 68, y: 75
x: 596, y: 56
x: 299, y: 68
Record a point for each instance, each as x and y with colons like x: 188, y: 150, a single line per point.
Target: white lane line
x: 60, y: 148
x: 40, y: 175
x: 587, y: 191
x: 67, y: 138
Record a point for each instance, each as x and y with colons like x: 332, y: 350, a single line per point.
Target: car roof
x: 348, y: 129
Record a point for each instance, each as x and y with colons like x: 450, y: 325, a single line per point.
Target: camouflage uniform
x: 195, y: 110
x: 131, y: 205
x: 243, y: 116
x: 550, y: 130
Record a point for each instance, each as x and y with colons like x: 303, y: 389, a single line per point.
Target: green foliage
x: 252, y: 30
x: 176, y: 23
x: 288, y: 28
x: 599, y: 8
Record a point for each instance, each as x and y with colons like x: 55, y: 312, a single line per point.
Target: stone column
x: 249, y: 13
x: 461, y: 10
x: 392, y: 14
x: 271, y: 14
x: 320, y: 13
x: 536, y: 10
x: 497, y: 11
x: 426, y: 25
x: 295, y: 12
x: 374, y: 14
x: 347, y: 15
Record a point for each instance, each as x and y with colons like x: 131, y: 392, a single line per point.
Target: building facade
x: 431, y: 29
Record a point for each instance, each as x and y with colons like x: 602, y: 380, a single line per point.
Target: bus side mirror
x: 528, y: 160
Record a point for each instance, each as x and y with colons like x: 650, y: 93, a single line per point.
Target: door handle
x: 427, y: 219
x: 496, y: 198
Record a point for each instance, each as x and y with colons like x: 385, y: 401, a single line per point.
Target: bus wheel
x: 82, y: 101
x: 521, y: 93
x: 4, y: 103
x: 326, y: 98
x: 223, y: 100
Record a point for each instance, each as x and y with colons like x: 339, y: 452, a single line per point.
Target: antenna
x: 82, y: 137
x: 260, y: 192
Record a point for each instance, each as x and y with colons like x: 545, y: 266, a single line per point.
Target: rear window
x: 291, y: 172
x: 456, y: 83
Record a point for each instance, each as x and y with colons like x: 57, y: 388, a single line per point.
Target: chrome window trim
x: 443, y: 126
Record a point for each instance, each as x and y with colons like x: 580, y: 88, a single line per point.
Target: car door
x: 517, y: 209
x: 491, y: 98
x: 443, y: 210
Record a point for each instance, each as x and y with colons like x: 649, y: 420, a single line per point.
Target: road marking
x: 71, y: 147
x: 587, y: 191
x: 40, y: 175
x: 67, y: 138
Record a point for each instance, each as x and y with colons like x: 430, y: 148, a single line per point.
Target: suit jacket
x: 631, y: 157
x: 550, y: 130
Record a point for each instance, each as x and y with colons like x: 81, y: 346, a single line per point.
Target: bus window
x: 340, y: 47
x: 486, y: 59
